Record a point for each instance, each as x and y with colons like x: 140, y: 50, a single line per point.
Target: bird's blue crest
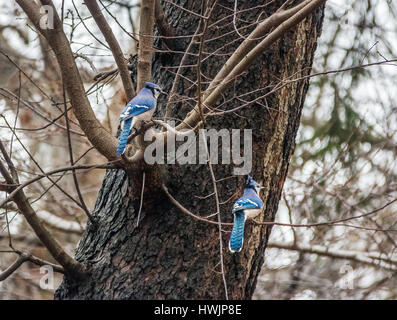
x: 152, y: 85
x: 251, y: 183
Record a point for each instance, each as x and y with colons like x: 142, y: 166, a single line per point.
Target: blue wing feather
x: 143, y: 102
x: 132, y: 111
x: 245, y: 203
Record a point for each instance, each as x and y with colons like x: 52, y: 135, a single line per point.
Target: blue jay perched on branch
x: 137, y: 110
x: 248, y: 206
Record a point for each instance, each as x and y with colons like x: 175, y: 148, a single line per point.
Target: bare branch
x: 39, y: 167
x: 172, y: 94
x: 113, y: 45
x: 59, y: 223
x: 141, y: 201
x: 10, y: 164
x: 41, y: 262
x: 186, y: 211
x: 249, y: 43
x: 76, y: 182
x: 12, y: 268
x: 24, y: 257
x: 218, y: 211
x: 74, y: 268
x: 145, y: 49
x: 361, y: 257
x: 46, y: 174
x: 242, y: 63
x: 103, y: 75
x: 29, y: 106
x: 203, y: 25
x: 7, y: 187
x: 101, y: 139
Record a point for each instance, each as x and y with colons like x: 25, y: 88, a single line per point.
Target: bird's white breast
x: 252, y: 213
x: 137, y: 120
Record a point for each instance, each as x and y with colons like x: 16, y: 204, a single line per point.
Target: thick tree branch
x: 249, y: 43
x: 10, y: 164
x: 74, y: 268
x: 41, y: 262
x: 7, y: 187
x: 101, y: 139
x: 245, y: 60
x: 145, y: 49
x: 113, y: 45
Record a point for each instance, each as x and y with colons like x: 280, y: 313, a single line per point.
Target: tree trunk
x: 171, y: 255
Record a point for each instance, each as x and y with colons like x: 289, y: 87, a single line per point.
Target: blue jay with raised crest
x: 139, y: 109
x: 248, y: 206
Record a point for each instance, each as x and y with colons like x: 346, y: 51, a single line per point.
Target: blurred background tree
x: 344, y: 165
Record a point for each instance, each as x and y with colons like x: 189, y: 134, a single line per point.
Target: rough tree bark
x: 170, y: 255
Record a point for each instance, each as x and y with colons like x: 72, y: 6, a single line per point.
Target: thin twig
x: 141, y: 203
x: 39, y: 167
x: 238, y: 66
x: 172, y: 93
x: 186, y: 211
x: 100, y: 138
x: 32, y: 108
x: 49, y: 173
x: 361, y: 257
x: 333, y: 222
x: 13, y: 267
x: 73, y: 267
x: 267, y: 223
x: 118, y: 23
x: 204, y: 24
x: 76, y: 182
x: 218, y: 211
x: 113, y: 45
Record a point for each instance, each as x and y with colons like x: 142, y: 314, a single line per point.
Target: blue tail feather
x: 124, y: 136
x: 237, y: 237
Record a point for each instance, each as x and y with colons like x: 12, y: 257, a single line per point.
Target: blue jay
x: 248, y: 206
x: 137, y: 110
